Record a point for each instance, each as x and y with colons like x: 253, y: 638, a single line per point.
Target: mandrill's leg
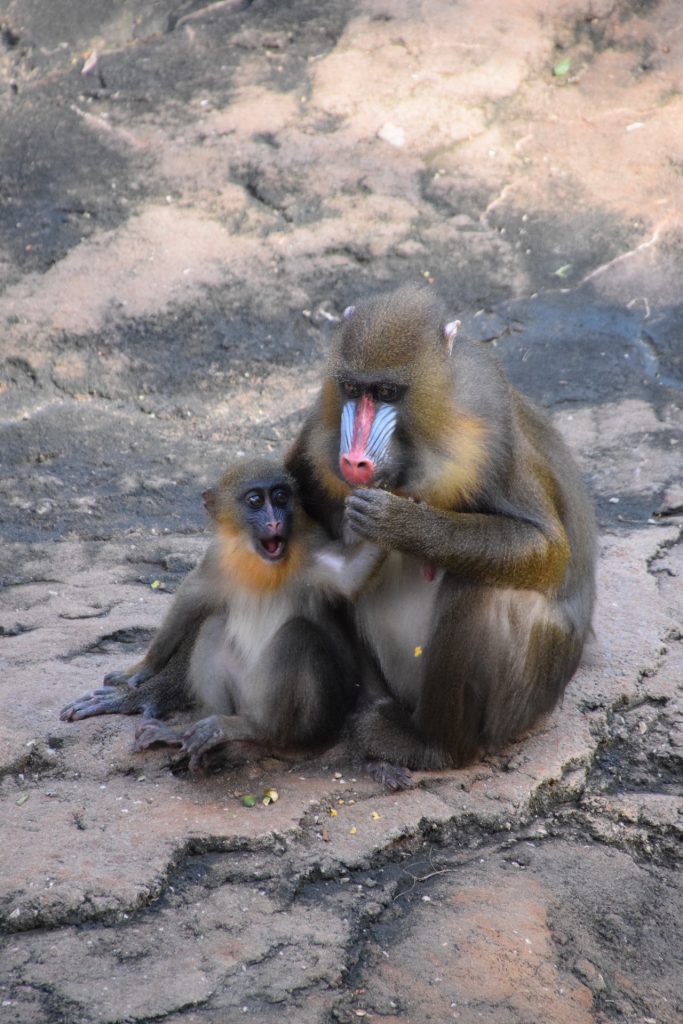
x: 497, y: 661
x: 158, y: 697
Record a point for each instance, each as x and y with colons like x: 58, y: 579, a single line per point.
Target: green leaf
x: 562, y: 68
x: 249, y: 800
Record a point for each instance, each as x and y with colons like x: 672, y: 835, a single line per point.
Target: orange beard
x: 248, y: 569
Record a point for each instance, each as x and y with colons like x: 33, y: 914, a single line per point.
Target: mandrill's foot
x: 200, y: 740
x: 124, y: 678
x: 393, y: 776
x: 106, y: 701
x: 151, y: 732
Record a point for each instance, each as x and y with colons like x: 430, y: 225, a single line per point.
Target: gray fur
x: 503, y: 628
x: 274, y: 667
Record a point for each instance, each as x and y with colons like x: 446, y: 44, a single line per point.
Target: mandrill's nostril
x: 356, y: 471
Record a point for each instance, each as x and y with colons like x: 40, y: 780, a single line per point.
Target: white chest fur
x: 253, y: 621
x: 227, y: 671
x: 396, y: 616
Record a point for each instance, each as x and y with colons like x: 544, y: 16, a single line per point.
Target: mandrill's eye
x: 351, y: 389
x: 387, y: 392
x: 254, y: 499
x: 280, y: 497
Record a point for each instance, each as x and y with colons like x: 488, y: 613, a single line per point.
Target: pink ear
x: 449, y: 333
x: 348, y: 312
x: 209, y: 499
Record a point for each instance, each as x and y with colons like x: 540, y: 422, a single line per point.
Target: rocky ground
x: 190, y: 194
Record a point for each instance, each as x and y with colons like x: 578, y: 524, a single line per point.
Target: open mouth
x: 273, y: 548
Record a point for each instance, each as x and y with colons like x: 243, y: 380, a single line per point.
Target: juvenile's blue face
x: 268, y: 509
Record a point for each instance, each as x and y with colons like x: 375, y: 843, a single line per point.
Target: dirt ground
x: 190, y: 194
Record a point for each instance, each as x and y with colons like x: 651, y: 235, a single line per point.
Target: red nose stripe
x: 362, y: 426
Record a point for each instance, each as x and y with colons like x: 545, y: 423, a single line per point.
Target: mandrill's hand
x: 379, y: 516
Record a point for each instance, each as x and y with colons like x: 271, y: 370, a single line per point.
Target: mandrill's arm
x: 345, y: 569
x: 489, y: 549
x: 196, y: 597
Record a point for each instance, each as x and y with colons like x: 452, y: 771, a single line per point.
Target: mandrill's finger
x: 366, y: 494
x: 394, y: 776
x: 151, y: 731
x: 92, y: 702
x: 117, y: 678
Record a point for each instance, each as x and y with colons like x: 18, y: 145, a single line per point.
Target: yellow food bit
x: 353, y: 830
x: 155, y: 585
x: 418, y: 652
x: 375, y: 816
x: 333, y: 813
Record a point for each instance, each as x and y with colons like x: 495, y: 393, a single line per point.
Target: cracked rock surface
x: 190, y: 195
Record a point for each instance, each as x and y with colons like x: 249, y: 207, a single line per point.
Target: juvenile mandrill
x: 478, y: 616
x: 257, y: 633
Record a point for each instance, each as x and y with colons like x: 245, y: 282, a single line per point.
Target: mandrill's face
x: 369, y: 415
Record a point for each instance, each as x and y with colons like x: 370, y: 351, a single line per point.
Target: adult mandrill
x: 478, y: 616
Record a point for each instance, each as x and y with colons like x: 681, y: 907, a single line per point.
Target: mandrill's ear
x: 449, y: 333
x: 209, y: 499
